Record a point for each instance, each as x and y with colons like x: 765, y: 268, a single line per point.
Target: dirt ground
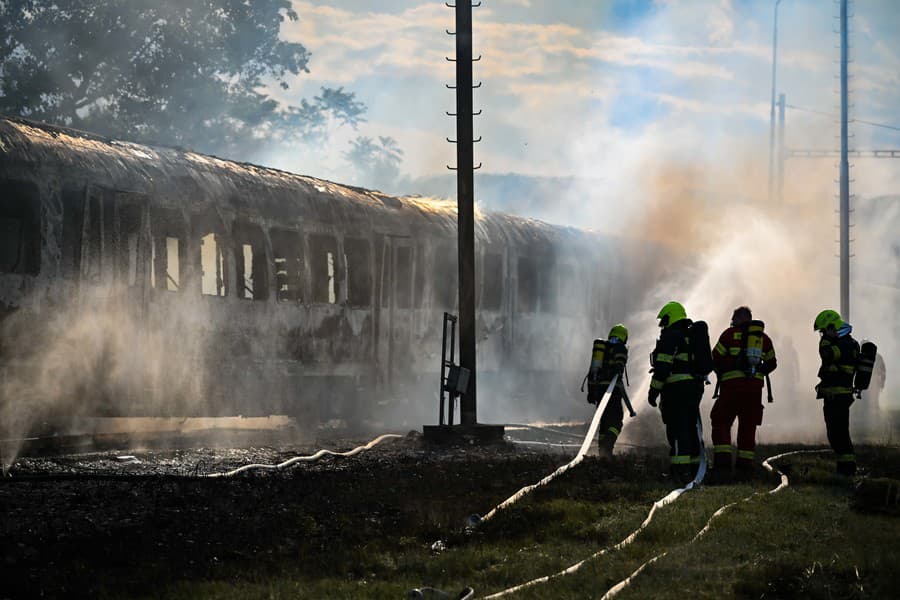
x: 101, y: 525
x: 91, y: 524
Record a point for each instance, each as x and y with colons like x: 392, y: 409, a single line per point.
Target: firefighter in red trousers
x: 742, y: 358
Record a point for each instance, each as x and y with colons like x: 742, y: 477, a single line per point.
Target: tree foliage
x: 190, y: 73
x: 377, y: 163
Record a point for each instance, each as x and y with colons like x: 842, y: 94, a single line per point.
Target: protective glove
x: 652, y: 396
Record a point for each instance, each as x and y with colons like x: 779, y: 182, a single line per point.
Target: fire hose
x: 579, y: 457
x: 665, y: 500
x: 310, y: 458
x: 585, y: 446
x: 783, y: 483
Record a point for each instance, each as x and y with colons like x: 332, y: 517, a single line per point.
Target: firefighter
x: 839, y: 353
x: 743, y: 357
x: 614, y: 364
x: 676, y: 382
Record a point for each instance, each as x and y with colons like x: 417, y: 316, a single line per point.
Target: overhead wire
x: 833, y: 116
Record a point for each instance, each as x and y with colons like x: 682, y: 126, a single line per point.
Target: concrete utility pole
x: 465, y: 198
x: 772, y: 111
x: 468, y: 428
x: 845, y: 175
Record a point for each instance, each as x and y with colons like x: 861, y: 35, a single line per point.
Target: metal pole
x: 781, y: 106
x: 845, y: 175
x: 772, y: 111
x: 466, y: 205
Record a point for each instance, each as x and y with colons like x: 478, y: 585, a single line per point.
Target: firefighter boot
x: 605, y: 443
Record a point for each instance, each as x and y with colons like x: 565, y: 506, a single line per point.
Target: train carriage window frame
x: 403, y: 276
x: 287, y: 260
x: 492, y: 278
x: 324, y: 268
x: 548, y: 286
x: 130, y: 241
x: 20, y: 210
x: 572, y: 297
x: 358, y: 261
x: 527, y: 284
x: 249, y: 244
x: 168, y: 256
x: 73, y: 199
x: 445, y: 284
x: 419, y: 288
x: 211, y: 256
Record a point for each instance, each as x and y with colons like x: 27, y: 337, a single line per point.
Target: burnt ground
x: 93, y: 525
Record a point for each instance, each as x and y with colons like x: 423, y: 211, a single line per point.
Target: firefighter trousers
x: 680, y: 410
x: 743, y: 403
x: 611, y: 422
x: 837, y: 424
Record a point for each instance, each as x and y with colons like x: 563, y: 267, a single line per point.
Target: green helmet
x: 827, y: 318
x: 619, y: 331
x: 671, y: 313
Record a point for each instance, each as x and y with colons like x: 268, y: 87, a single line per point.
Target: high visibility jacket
x: 671, y: 359
x: 613, y: 364
x: 730, y: 361
x: 839, y: 358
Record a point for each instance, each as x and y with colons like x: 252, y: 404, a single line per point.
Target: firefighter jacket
x: 839, y: 356
x: 730, y: 360
x: 614, y: 364
x: 671, y: 359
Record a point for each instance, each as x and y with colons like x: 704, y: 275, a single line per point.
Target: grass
x: 806, y: 541
x: 368, y: 533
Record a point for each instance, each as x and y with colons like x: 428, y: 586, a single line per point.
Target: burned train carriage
x: 146, y: 280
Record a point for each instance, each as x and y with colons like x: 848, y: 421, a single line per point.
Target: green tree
x: 377, y: 164
x: 176, y: 72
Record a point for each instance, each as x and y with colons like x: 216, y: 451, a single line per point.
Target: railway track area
x: 392, y: 518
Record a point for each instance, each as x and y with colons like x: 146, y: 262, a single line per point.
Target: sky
x: 595, y: 90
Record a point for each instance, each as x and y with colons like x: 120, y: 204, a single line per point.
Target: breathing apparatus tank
x: 598, y: 354
x: 753, y: 345
x: 595, y: 372
x: 865, y: 363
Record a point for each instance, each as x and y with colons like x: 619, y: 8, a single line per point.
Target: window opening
x: 287, y: 257
x: 548, y: 287
x: 419, y: 277
x: 323, y: 250
x: 212, y: 262
x: 167, y: 250
x: 492, y: 281
x: 250, y: 262
x: 445, y: 276
x: 95, y: 238
x: 247, y: 279
x: 128, y: 248
x: 357, y: 257
x: 528, y: 282
x: 73, y: 226
x: 403, y: 277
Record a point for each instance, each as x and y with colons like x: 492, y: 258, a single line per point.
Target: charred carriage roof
x: 172, y: 176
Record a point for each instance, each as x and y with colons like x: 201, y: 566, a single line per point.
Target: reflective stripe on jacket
x: 671, y: 357
x: 729, y: 364
x: 613, y: 364
x: 839, y: 358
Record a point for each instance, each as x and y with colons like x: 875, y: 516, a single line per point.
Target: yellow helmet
x: 618, y: 331
x: 827, y: 318
x: 671, y: 313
